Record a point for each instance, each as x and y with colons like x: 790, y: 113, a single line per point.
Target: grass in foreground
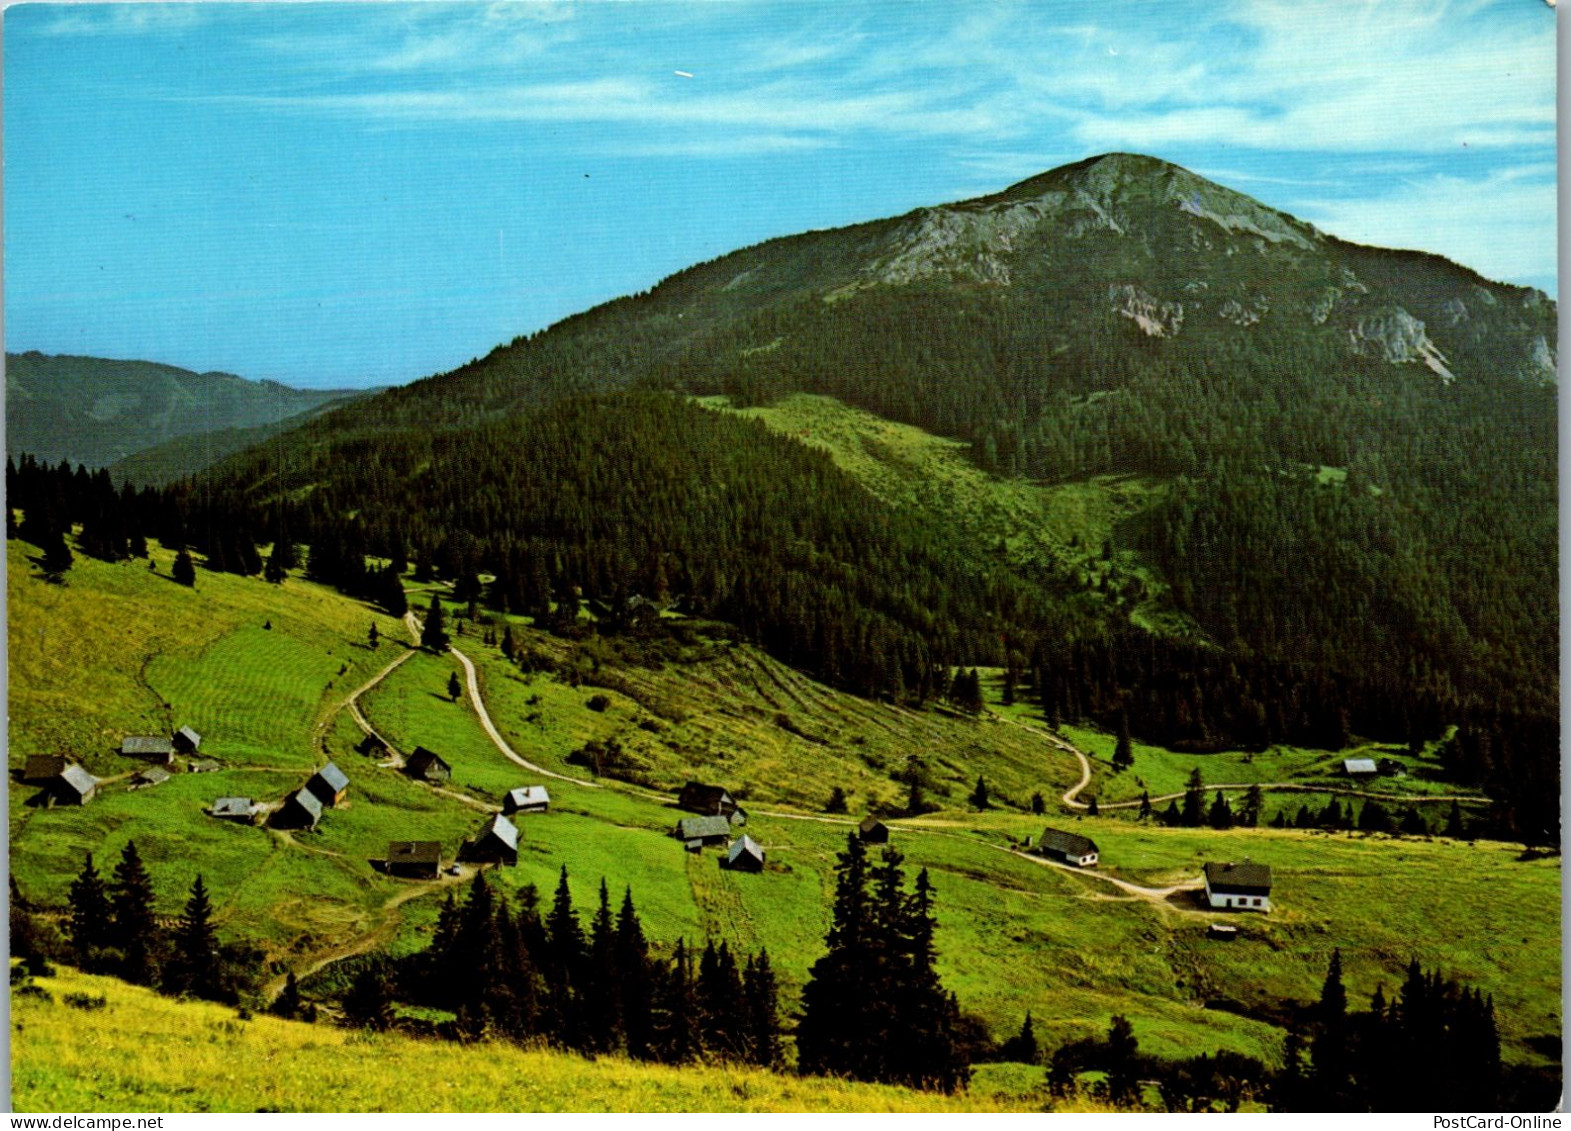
x: 143, y: 1052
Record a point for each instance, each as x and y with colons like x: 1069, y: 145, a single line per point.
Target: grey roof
x: 1360, y: 766
x: 744, y: 844
x: 695, y: 828
x: 78, y: 779
x: 146, y: 744
x: 1070, y: 844
x: 190, y: 736
x: 503, y: 829
x: 308, y: 800
x: 1239, y: 879
x: 153, y: 775
x: 333, y: 776
x: 203, y: 765
x: 415, y: 852
x: 233, y: 807
x: 869, y: 823
x: 530, y: 795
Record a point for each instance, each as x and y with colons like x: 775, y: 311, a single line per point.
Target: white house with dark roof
x: 1238, y: 887
x: 1068, y: 848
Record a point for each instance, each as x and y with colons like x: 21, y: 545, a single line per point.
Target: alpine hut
x: 427, y: 765
x: 1069, y: 848
x: 329, y: 784
x: 1245, y: 887
x: 496, y: 843
x: 152, y: 746
x: 300, y: 810
x: 872, y: 831
x: 416, y: 859
x: 695, y: 832
x: 526, y: 799
x: 185, y: 740
x: 745, y: 855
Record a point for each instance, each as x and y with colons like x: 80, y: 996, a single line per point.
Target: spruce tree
x: 601, y: 1005
x: 454, y: 688
x: 433, y: 634
x: 634, y: 985
x: 1038, y: 804
x: 131, y: 903
x: 1123, y: 1073
x: 761, y: 1012
x: 369, y: 1002
x: 1194, y: 800
x: 837, y: 801
x: 194, y: 966
x: 57, y: 558
x: 374, y: 637
x: 90, y: 927
x: 1145, y: 805
x: 979, y: 797
x: 1123, y: 749
x: 184, y: 569
x: 287, y: 1004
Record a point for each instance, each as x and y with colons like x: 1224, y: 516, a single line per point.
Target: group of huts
x: 495, y: 843
x: 1227, y: 886
x: 718, y: 816
x: 63, y: 781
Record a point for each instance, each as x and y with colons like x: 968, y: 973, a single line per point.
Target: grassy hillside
x: 1056, y: 531
x: 141, y: 1052
x: 1014, y: 935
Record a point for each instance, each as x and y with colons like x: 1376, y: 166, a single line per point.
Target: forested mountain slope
x: 1355, y: 450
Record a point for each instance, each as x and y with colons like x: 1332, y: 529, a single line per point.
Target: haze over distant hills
x: 97, y: 411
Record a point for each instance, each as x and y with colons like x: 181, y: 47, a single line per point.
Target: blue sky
x: 352, y: 194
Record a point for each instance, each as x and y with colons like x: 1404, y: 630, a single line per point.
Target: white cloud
x: 123, y: 19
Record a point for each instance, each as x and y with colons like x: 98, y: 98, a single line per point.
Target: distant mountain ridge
x: 1350, y: 452
x: 98, y: 411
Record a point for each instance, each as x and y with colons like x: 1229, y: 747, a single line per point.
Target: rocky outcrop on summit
x: 1156, y: 318
x: 1395, y: 335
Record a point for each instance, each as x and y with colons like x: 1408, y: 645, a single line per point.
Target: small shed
x: 153, y: 775
x: 745, y: 855
x: 417, y: 859
x: 696, y: 832
x: 329, y: 784
x: 235, y: 809
x: 300, y: 810
x: 186, y: 740
x: 73, y: 786
x: 872, y: 831
x: 1224, y: 931
x: 151, y: 746
x: 203, y: 766
x: 1360, y: 767
x: 41, y: 769
x: 427, y: 765
x: 526, y: 799
x: 709, y: 800
x: 1070, y: 848
x: 1238, y: 887
x: 496, y: 843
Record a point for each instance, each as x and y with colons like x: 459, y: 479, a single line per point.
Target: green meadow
x: 1015, y: 934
